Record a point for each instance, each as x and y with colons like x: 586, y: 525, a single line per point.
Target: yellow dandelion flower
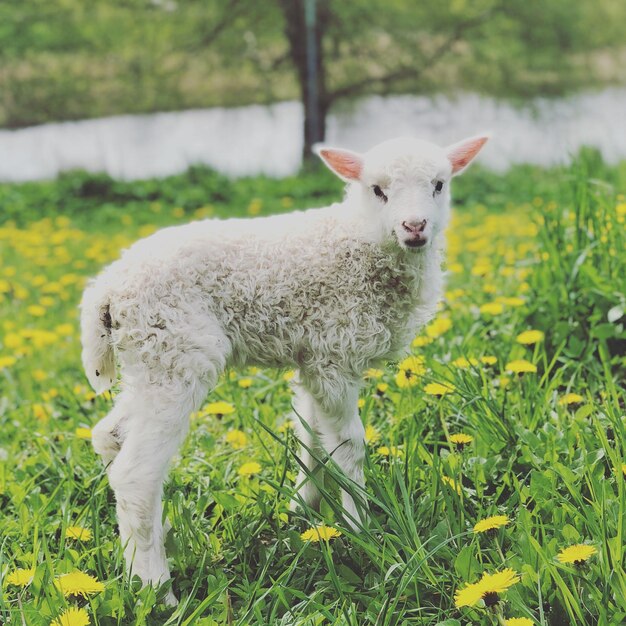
x: 480, y: 269
x: 570, y: 398
x: 491, y: 523
x: 488, y: 360
x: 320, y: 533
x: 79, y: 533
x: 389, y: 451
x: 576, y: 554
x: 460, y: 440
x: 374, y: 373
x: 285, y: 426
x: 255, y: 206
x: 512, y: 301
x: 406, y: 379
x: 413, y: 364
x: 372, y: 435
x: 36, y: 310
x: 12, y: 341
x: 287, y: 376
x: 245, y: 383
x: 438, y: 327
x: 438, y: 389
x: 409, y: 371
x: 78, y: 583
x: 381, y: 388
x: 219, y: 408
x: 520, y: 366
x: 69, y: 279
x: 487, y: 589
x: 454, y: 294
x: 492, y: 308
x: 41, y: 412
x: 500, y: 581
x: 464, y: 363
x: 7, y: 361
x: 249, y: 469
x: 237, y: 439
x: 39, y: 375
x: 469, y: 595
x: 50, y: 394
x: 452, y: 484
x: 529, y: 337
x: 361, y: 403
x: 83, y: 433
x: 21, y: 577
x: 74, y: 616
x: 518, y: 621
x: 420, y: 342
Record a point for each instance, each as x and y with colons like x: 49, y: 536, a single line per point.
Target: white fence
x: 267, y: 139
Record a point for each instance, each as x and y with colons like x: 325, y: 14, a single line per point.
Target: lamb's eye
x: 438, y: 187
x: 379, y: 193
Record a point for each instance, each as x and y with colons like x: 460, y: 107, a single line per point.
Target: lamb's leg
x: 159, y: 424
x: 108, y: 434
x: 311, y: 471
x: 342, y: 435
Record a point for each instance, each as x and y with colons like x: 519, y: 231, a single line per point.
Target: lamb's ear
x: 461, y: 154
x: 346, y: 164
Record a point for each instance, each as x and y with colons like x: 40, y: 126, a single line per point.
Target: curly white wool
x: 329, y: 292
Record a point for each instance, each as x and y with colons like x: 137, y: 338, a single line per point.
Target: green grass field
x: 538, y: 251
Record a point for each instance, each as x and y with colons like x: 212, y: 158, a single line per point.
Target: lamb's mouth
x: 412, y: 245
x: 416, y: 244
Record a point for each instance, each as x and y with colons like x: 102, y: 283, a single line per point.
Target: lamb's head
x: 402, y: 186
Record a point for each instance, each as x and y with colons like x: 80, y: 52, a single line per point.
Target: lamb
x: 328, y: 292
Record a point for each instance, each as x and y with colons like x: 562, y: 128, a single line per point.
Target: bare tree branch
x: 413, y: 70
x: 229, y: 14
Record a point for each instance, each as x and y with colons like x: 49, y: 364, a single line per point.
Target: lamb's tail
x: 98, y: 354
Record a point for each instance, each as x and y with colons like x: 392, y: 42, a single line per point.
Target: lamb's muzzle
x: 417, y: 238
x: 329, y: 292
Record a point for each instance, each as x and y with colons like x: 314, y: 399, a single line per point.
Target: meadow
x: 496, y: 462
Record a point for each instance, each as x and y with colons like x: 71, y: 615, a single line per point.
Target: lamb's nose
x: 414, y: 227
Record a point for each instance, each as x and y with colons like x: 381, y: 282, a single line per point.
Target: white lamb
x: 329, y: 292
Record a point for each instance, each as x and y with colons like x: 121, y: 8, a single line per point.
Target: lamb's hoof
x: 170, y: 599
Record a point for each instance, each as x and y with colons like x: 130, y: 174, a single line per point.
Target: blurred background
x: 145, y: 88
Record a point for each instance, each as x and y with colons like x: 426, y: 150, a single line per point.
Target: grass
x: 531, y: 250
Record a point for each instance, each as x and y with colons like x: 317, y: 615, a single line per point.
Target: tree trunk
x: 315, y: 108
